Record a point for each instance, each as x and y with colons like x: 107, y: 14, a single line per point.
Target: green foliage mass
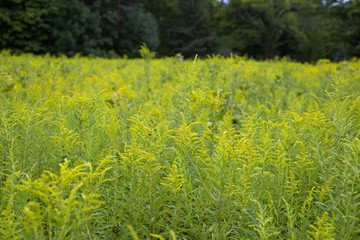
x: 192, y: 32
x: 305, y: 30
x: 140, y: 27
x: 83, y: 27
x: 221, y: 148
x: 24, y: 25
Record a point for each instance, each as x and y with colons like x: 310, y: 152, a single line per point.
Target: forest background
x: 302, y: 30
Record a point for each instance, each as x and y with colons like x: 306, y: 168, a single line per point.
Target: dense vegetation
x: 305, y: 30
x: 222, y: 148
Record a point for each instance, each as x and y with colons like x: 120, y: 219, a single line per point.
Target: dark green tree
x: 311, y: 40
x: 138, y: 26
x: 322, y: 33
x: 305, y: 30
x: 164, y: 12
x: 25, y: 25
x: 192, y: 33
x: 349, y: 14
x: 59, y: 27
x: 261, y: 27
x: 87, y: 27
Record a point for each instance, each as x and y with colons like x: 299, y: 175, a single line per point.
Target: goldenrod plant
x: 216, y: 148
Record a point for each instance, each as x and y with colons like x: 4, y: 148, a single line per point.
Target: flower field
x: 220, y: 148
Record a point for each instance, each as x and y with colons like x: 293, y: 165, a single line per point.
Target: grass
x: 222, y: 148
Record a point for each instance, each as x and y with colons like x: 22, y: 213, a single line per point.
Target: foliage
x: 25, y: 25
x: 221, y: 148
x: 192, y: 33
x: 304, y: 30
x: 60, y: 27
x: 139, y: 27
x: 86, y: 27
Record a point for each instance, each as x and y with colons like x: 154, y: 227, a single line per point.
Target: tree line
x: 304, y: 30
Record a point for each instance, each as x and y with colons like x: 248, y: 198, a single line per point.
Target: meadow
x: 219, y: 148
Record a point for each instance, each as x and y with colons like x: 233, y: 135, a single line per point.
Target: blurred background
x: 302, y: 30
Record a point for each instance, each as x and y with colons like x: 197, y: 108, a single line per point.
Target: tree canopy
x: 304, y: 30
